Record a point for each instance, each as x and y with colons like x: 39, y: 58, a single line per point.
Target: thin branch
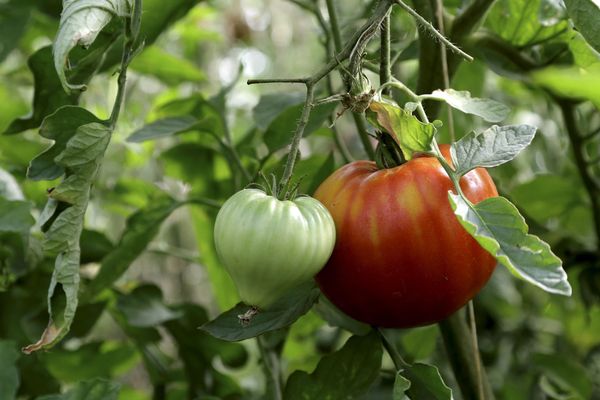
x: 355, y: 41
x: 399, y: 362
x: 385, y: 66
x: 475, y: 344
x: 459, y: 348
x: 278, y: 80
x: 444, y: 61
x: 432, y: 30
x: 131, y: 32
x: 335, y: 26
x: 329, y: 49
x: 273, y: 375
x: 289, y: 166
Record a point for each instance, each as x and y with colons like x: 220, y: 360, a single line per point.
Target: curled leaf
x: 80, y: 23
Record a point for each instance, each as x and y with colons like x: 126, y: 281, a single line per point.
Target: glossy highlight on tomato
x: 401, y: 258
x: 269, y: 246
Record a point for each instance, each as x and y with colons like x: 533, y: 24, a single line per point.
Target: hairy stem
x: 385, y: 70
x: 289, y: 166
x: 335, y: 27
x: 132, y: 26
x: 355, y: 41
x: 430, y: 69
x: 431, y: 29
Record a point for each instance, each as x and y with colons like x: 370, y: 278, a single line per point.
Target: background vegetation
x: 191, y: 132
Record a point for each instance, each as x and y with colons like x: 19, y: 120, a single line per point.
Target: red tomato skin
x: 401, y: 258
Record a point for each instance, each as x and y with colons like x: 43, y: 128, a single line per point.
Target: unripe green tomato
x: 269, y: 246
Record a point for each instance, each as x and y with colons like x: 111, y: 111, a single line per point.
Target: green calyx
x: 388, y: 153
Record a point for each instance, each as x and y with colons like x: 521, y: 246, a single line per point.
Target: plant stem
x: 289, y: 165
x: 329, y: 49
x: 397, y: 359
x: 385, y: 72
x: 277, y: 80
x: 475, y: 344
x: 337, y: 40
x: 567, y: 108
x: 433, y: 31
x: 335, y: 27
x: 273, y: 375
x: 355, y: 41
x: 430, y: 69
x: 131, y: 32
x: 363, y: 134
x: 444, y: 61
x: 459, y: 348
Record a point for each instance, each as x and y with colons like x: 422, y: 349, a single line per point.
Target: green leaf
x: 96, y: 389
x: 80, y: 143
x: 571, y: 82
x: 80, y: 23
x: 144, y: 307
x: 490, y: 110
x: 163, y: 128
x: 13, y: 23
x: 157, y: 17
x: 420, y: 343
x: 345, y: 374
x: 499, y: 228
x: 168, y: 68
x: 140, y: 229
x: 221, y: 283
x: 334, y: 317
x: 401, y: 385
x: 547, y: 196
x: 94, y: 359
x: 585, y: 15
x: 585, y: 56
x: 411, y: 134
x: 283, y: 313
x: 198, y: 350
x: 86, y: 146
x: 280, y: 130
x: 524, y: 22
x: 59, y: 127
x: 94, y: 246
x: 490, y: 148
x: 15, y: 216
x: 426, y: 383
x: 271, y: 105
x: 9, y: 373
x: 48, y: 95
x: 312, y: 171
x: 570, y: 375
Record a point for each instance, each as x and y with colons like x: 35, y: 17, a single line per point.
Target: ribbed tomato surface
x: 401, y: 258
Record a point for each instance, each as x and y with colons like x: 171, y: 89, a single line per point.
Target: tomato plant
x: 269, y: 246
x: 128, y: 135
x: 401, y: 258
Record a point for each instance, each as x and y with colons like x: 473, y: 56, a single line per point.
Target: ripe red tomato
x: 401, y: 258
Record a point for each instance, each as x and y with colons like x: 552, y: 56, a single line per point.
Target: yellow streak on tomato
x: 357, y: 208
x: 411, y: 200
